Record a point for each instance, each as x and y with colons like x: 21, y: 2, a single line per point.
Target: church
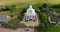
x: 30, y: 18
x: 30, y: 14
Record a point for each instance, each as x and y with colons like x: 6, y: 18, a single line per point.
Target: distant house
x: 54, y: 19
x: 45, y: 10
x: 4, y: 19
x: 58, y: 11
x: 30, y: 14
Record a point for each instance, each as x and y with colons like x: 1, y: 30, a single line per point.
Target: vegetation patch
x: 11, y: 24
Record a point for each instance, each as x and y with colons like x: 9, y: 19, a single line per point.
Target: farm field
x: 3, y: 2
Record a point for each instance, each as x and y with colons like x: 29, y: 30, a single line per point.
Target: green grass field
x: 29, y: 1
x: 53, y: 27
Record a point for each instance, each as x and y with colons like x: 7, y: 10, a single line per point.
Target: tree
x: 10, y: 8
x: 11, y: 24
x: 44, y: 5
x: 55, y: 6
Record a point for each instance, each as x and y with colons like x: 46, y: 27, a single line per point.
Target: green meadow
x: 29, y: 1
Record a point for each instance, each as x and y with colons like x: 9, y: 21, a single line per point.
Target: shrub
x: 11, y: 24
x: 21, y: 14
x: 11, y: 15
x: 10, y: 8
x: 44, y: 5
x: 55, y: 6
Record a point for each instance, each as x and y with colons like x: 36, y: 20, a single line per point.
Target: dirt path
x: 17, y: 30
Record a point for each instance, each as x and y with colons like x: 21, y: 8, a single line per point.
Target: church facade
x: 30, y: 15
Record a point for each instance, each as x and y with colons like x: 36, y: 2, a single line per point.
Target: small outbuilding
x: 54, y: 19
x: 4, y: 18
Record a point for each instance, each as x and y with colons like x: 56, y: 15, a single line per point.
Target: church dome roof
x: 30, y: 11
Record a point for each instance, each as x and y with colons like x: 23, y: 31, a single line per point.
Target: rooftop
x: 4, y: 18
x: 55, y: 18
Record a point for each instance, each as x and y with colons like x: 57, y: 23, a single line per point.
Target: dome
x: 30, y: 11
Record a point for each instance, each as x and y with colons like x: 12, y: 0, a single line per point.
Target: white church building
x: 30, y: 18
x: 30, y: 15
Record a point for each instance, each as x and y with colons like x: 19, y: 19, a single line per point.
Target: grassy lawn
x: 29, y: 1
x: 51, y: 27
x: 11, y: 24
